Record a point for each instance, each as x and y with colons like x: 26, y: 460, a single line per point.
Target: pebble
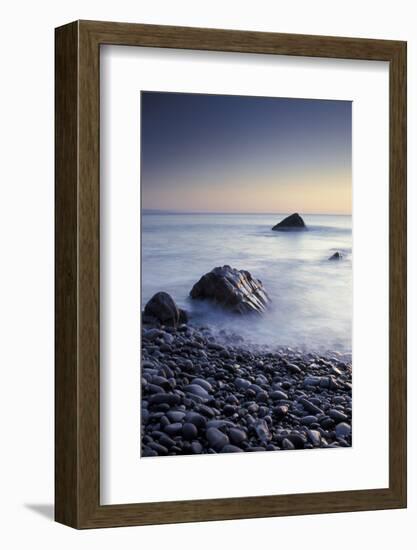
x: 189, y: 431
x: 195, y: 389
x: 315, y: 437
x: 309, y: 406
x: 307, y: 420
x: 237, y: 435
x: 231, y: 449
x: 197, y: 419
x: 280, y: 411
x: 287, y: 444
x: 343, y: 430
x: 216, y: 439
x: 312, y: 381
x: 262, y: 430
x: 337, y: 415
x: 242, y: 384
x: 175, y: 416
x: 203, y: 383
x: 164, y: 398
x: 173, y: 429
x: 277, y: 395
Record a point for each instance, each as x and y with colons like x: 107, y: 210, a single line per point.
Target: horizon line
x: 166, y: 211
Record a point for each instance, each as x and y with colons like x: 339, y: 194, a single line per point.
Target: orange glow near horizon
x: 325, y: 194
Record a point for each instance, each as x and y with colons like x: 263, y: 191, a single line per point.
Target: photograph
x: 246, y: 274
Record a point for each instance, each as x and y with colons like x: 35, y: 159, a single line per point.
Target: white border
x: 124, y: 476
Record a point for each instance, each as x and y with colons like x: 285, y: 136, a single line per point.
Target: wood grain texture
x: 78, y: 284
x: 66, y: 237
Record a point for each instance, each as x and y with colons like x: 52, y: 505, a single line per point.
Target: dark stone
x: 232, y: 289
x: 308, y: 420
x: 219, y: 423
x: 217, y: 439
x: 160, y: 449
x: 207, y: 411
x: 149, y: 452
x: 297, y: 440
x: 229, y: 410
x: 277, y: 395
x: 312, y: 381
x: 338, y: 416
x: 293, y: 222
x: 197, y: 419
x: 175, y: 416
x: 262, y: 396
x: 166, y: 441
x: 327, y: 423
x: 237, y: 435
x: 336, y: 256
x: 195, y: 389
x: 280, y: 411
x: 164, y: 422
x: 294, y: 369
x: 315, y: 437
x: 262, y: 430
x: 163, y: 308
x: 196, y: 448
x: 203, y: 383
x: 173, y: 429
x: 309, y: 406
x: 343, y: 430
x: 287, y: 445
x: 189, y: 431
x: 230, y: 449
x: 164, y: 398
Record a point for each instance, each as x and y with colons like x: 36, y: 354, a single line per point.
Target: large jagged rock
x: 293, y: 222
x: 162, y: 309
x: 235, y: 290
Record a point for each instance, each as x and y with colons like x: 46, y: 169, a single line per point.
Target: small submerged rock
x: 293, y: 222
x: 336, y: 256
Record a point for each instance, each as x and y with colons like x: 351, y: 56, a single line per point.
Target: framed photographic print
x: 230, y: 274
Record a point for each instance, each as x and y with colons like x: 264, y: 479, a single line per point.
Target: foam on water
x: 312, y: 296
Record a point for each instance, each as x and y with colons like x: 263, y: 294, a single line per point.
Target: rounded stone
x: 196, y: 448
x: 217, y: 439
x: 236, y: 435
x: 197, y: 419
x: 197, y: 390
x: 173, y: 429
x: 230, y: 449
x: 277, y: 395
x: 189, y: 431
x: 343, y: 430
x: 338, y: 416
x: 203, y: 383
x: 287, y: 445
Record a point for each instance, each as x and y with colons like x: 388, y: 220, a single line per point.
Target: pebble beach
x: 206, y: 392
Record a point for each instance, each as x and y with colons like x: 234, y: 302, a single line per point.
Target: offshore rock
x: 293, y: 222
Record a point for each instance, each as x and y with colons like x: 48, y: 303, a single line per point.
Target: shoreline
x: 206, y: 394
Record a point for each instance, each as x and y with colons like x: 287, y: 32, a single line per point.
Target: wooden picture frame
x: 77, y: 405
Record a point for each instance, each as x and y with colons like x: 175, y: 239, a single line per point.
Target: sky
x: 219, y: 153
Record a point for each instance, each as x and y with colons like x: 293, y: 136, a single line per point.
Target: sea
x: 311, y: 296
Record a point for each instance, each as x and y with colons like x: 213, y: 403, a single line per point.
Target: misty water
x: 311, y: 296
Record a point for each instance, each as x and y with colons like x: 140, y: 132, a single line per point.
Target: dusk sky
x: 216, y: 153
